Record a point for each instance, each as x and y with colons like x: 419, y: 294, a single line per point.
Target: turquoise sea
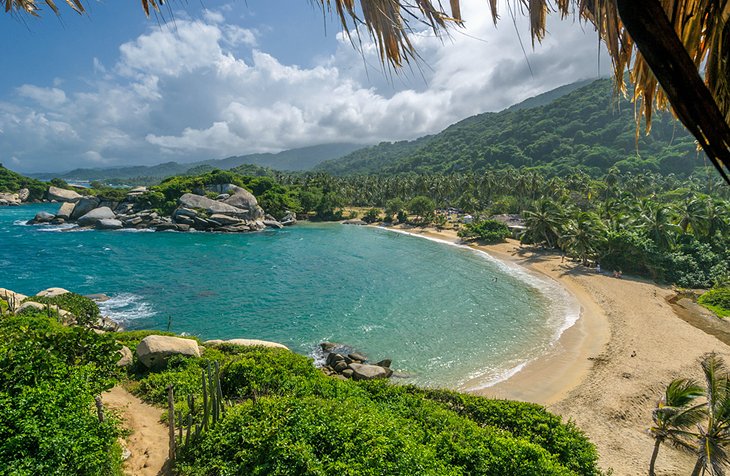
x: 444, y: 314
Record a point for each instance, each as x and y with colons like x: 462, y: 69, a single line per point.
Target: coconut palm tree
x: 583, y: 236
x: 713, y: 437
x: 693, y: 216
x: 545, y: 222
x: 656, y: 222
x: 675, y: 414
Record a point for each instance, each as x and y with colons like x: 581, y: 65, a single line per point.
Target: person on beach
x: 598, y: 268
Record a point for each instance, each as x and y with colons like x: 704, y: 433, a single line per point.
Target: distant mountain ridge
x: 303, y: 158
x: 578, y: 126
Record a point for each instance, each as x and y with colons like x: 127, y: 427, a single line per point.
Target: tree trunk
x: 698, y: 468
x: 654, y: 454
x: 654, y: 36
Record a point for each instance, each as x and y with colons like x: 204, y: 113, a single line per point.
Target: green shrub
x: 717, y: 300
x: 489, y: 231
x: 295, y: 420
x: 85, y: 310
x: 49, y: 375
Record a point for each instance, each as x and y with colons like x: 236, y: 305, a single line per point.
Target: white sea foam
x: 563, y: 308
x: 136, y: 230
x: 126, y: 307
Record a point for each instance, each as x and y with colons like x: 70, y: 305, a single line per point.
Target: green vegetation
x: 488, y: 231
x: 289, y: 418
x: 586, y: 130
x: 700, y: 428
x: 11, y: 182
x: 422, y: 207
x: 49, y: 375
x: 85, y: 310
x: 717, y: 300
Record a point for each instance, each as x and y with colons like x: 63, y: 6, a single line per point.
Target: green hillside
x: 12, y: 182
x: 589, y: 129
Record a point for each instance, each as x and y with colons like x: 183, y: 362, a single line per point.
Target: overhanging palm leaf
x: 714, y: 436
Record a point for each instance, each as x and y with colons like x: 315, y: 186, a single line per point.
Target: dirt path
x: 148, y: 442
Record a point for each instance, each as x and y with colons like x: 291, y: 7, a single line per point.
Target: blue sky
x: 227, y: 78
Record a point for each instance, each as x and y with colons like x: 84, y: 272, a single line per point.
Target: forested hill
x: 589, y: 128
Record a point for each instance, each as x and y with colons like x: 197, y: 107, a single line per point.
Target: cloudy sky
x: 115, y: 88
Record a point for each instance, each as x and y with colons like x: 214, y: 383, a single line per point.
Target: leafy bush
x: 489, y: 231
x: 49, y: 375
x: 295, y: 420
x: 85, y: 310
x: 717, y: 300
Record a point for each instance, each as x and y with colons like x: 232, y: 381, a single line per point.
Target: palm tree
x: 693, y: 216
x: 583, y: 236
x: 674, y: 415
x: 656, y: 223
x: 714, y: 436
x: 545, y: 222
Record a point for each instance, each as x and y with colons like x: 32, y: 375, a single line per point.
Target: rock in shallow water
x: 93, y: 217
x: 369, y: 372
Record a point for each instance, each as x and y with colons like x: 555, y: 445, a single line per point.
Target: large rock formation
x: 10, y: 199
x: 154, y: 350
x: 52, y: 292
x: 109, y: 224
x: 95, y: 215
x: 65, y: 210
x: 62, y: 195
x: 190, y: 200
x: 84, y: 206
x: 242, y: 198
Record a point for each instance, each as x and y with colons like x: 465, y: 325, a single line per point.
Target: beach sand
x: 607, y: 372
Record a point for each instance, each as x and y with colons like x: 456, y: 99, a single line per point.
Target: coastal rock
x: 109, y: 224
x: 385, y: 363
x: 9, y: 199
x: 242, y: 198
x: 222, y: 196
x: 65, y: 210
x: 185, y: 220
x: 43, y: 217
x: 154, y: 350
x: 184, y: 212
x: 246, y: 343
x: 354, y: 221
x: 273, y: 224
x: 11, y: 297
x: 225, y: 219
x: 190, y: 200
x: 84, y: 206
x: 125, y: 357
x: 334, y: 358
x: 23, y: 194
x: 58, y: 221
x: 62, y: 195
x: 289, y: 219
x: 93, y: 217
x: 357, y: 356
x: 369, y: 372
x: 52, y: 292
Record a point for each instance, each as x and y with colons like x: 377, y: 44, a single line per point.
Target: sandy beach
x: 607, y: 372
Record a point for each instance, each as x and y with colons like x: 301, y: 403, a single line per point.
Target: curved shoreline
x: 610, y: 369
x: 546, y: 378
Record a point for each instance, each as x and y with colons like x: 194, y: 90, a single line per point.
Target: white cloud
x: 185, y: 92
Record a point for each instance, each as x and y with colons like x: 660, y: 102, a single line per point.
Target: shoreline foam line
x: 561, y: 303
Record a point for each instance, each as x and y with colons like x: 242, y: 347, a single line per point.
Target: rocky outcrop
x: 52, y: 292
x: 12, y: 298
x: 354, y: 221
x: 109, y: 224
x: 10, y: 199
x: 62, y: 195
x: 245, y: 343
x: 65, y: 210
x: 84, y: 206
x: 154, y: 350
x: 195, y: 212
x: 190, y: 200
x: 24, y: 194
x: 94, y: 216
x: 352, y: 365
x: 125, y: 357
x: 42, y: 217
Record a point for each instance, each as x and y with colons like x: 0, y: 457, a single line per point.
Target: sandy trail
x: 607, y: 372
x: 149, y: 441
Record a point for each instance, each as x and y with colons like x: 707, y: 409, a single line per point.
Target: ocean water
x: 444, y: 314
